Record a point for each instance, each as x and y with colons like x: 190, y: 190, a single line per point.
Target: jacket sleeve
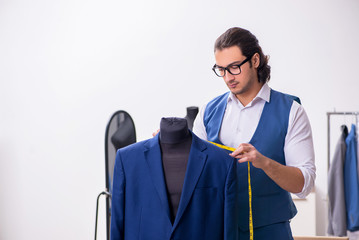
x: 118, y: 200
x: 231, y: 204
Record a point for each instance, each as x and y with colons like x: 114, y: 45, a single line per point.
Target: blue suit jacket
x: 351, y: 183
x: 208, y: 205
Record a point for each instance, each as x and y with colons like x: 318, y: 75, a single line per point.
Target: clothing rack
x: 328, y: 125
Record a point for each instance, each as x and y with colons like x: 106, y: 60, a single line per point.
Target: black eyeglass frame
x: 230, y: 65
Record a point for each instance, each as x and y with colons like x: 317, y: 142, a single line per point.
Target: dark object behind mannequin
x: 120, y: 132
x: 125, y: 134
x: 175, y: 142
x: 191, y: 115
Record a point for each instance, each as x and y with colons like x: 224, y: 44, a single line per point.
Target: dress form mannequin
x: 191, y: 115
x: 175, y: 141
x: 174, y: 186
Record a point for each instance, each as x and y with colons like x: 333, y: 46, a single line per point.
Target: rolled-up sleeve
x: 299, y: 149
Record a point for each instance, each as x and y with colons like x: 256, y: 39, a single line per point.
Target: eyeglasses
x: 234, y: 69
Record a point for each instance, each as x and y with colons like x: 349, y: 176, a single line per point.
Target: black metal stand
x: 108, y: 196
x: 120, y: 132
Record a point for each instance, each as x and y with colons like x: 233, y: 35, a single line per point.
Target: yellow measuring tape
x: 249, y: 190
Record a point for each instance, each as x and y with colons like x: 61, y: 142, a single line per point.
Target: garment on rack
x: 357, y: 134
x: 337, y: 222
x: 351, y: 183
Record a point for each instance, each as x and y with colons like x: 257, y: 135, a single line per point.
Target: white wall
x: 66, y: 66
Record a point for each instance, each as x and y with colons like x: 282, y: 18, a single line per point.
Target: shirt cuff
x: 309, y: 177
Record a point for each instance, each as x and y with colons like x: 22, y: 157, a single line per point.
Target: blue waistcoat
x: 270, y: 203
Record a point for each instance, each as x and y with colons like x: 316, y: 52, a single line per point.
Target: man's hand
x: 289, y: 178
x: 248, y: 153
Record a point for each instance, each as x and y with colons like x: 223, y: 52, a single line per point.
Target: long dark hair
x: 248, y: 43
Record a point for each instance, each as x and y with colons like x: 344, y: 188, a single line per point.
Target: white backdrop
x: 66, y: 66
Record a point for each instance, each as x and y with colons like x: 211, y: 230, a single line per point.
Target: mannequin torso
x: 175, y: 142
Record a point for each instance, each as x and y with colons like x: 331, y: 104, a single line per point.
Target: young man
x: 269, y: 129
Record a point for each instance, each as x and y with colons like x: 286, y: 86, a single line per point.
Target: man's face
x: 243, y: 83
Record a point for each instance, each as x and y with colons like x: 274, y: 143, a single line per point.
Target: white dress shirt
x: 239, y: 124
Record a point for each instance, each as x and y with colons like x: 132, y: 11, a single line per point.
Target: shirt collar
x: 263, y: 94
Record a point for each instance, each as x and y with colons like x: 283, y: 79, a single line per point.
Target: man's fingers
x: 155, y: 133
x: 242, y: 160
x: 237, y: 153
x: 243, y: 148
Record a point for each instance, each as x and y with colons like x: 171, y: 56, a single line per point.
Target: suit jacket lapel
x: 154, y: 162
x: 196, y: 162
